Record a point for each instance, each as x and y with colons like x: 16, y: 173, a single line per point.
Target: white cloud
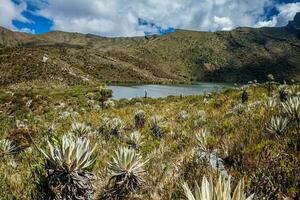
x: 9, y: 11
x: 286, y: 13
x: 222, y: 23
x: 27, y: 30
x: 269, y: 23
x: 120, y: 17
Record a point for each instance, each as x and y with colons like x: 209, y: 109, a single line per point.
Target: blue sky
x: 142, y: 17
x: 38, y: 23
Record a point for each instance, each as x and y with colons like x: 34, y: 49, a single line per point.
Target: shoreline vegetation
x: 76, y: 143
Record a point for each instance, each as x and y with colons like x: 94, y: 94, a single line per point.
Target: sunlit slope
x: 181, y: 57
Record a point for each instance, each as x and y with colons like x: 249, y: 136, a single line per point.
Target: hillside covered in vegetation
x: 60, y: 143
x: 184, y: 56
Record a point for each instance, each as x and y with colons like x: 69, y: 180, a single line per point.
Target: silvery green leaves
x: 238, y: 109
x: 7, y: 147
x: 270, y: 103
x: 292, y: 107
x: 109, y: 104
x: 277, y: 125
x: 127, y: 171
x: 222, y: 190
x: 200, y: 119
x: 80, y: 129
x: 182, y: 116
x: 71, y: 154
x: 67, y: 164
x: 135, y: 140
x: 202, y: 139
x: 206, y: 155
x: 111, y: 127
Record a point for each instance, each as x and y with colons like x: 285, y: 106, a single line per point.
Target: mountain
x: 184, y: 56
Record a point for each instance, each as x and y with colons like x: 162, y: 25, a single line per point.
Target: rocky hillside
x: 181, y: 57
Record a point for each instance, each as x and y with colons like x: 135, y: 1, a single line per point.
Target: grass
x: 239, y: 135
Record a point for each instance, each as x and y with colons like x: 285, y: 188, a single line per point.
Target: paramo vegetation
x: 76, y: 143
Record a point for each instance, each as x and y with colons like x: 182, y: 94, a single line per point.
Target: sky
x: 114, y: 18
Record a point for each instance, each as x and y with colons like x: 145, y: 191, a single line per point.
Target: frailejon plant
x: 271, y: 79
x: 135, y: 140
x: 80, y: 129
x: 245, y: 96
x: 255, y: 105
x: 67, y: 165
x: 127, y: 172
x: 219, y: 191
x: 7, y: 147
x: 116, y: 127
x: 140, y: 118
x: 292, y: 107
x: 109, y: 104
x: 201, y: 114
x: 283, y: 95
x: 206, y: 154
x: 202, y: 139
x: 278, y: 125
x: 238, y: 109
x: 200, y: 118
x: 104, y: 126
x: 104, y: 95
x: 270, y: 103
x: 155, y: 126
x: 111, y: 127
x: 182, y: 116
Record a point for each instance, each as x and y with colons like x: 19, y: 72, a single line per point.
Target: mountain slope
x: 181, y: 57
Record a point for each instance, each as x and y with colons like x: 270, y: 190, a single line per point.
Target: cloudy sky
x: 142, y: 17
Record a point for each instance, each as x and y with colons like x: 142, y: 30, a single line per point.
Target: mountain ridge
x: 183, y: 56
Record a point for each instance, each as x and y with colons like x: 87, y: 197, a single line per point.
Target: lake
x: 155, y: 91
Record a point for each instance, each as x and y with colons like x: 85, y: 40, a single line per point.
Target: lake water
x: 156, y: 91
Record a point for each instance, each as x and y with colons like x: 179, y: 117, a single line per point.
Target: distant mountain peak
x: 294, y: 25
x: 297, y: 17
